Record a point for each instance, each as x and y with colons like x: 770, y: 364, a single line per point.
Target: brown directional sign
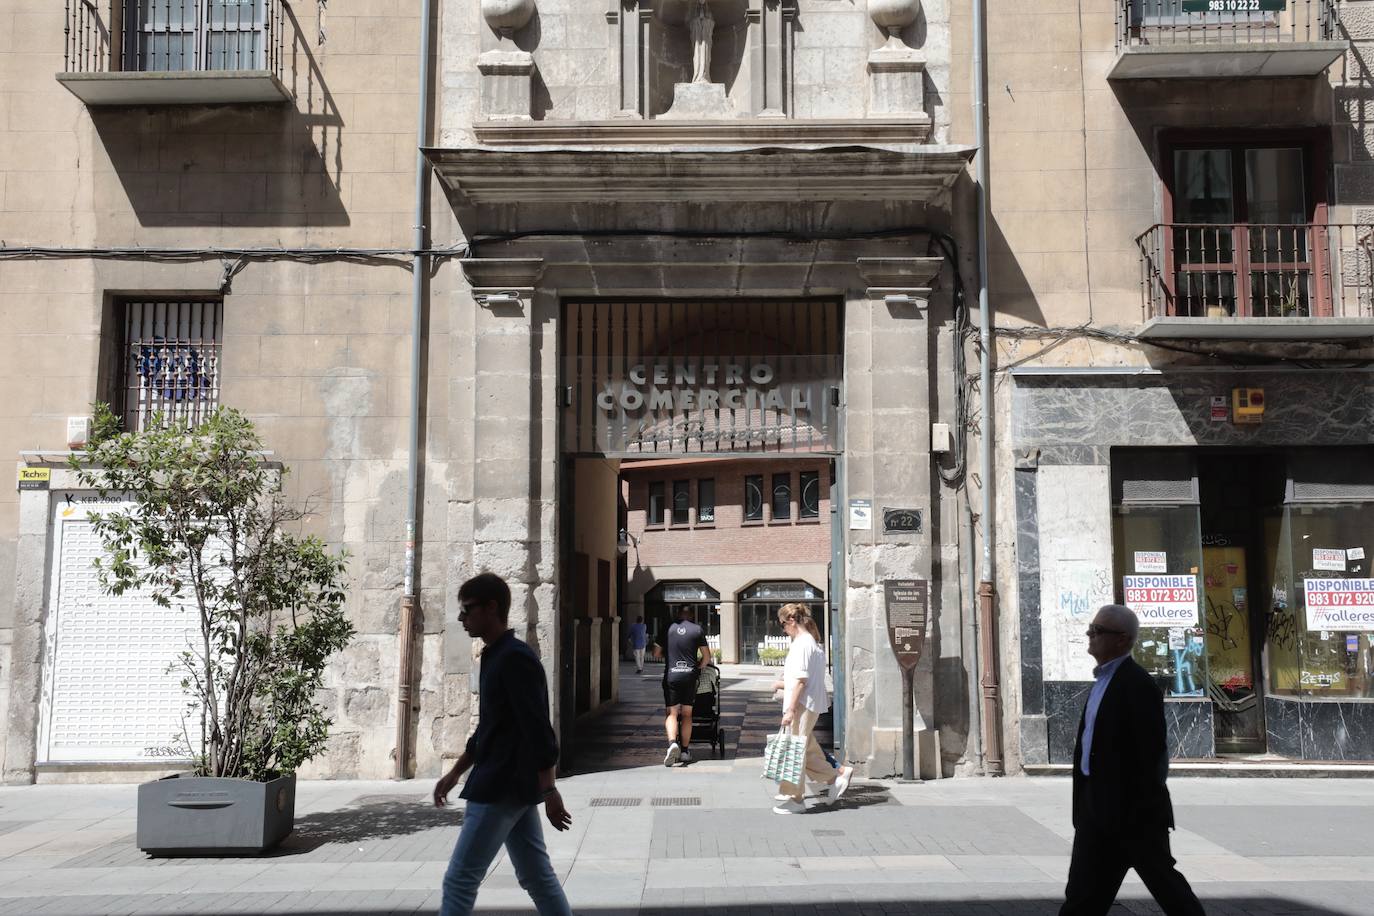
x: 908, y: 612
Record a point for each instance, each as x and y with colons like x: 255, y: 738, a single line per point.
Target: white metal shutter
x: 109, y: 695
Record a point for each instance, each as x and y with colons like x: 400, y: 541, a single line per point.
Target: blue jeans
x: 486, y: 827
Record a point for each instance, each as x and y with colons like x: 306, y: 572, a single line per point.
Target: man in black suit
x: 1121, y: 810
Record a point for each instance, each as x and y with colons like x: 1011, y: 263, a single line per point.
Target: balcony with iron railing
x: 1226, y: 39
x: 174, y: 52
x: 1257, y: 281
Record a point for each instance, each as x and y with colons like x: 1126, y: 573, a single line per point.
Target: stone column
x: 729, y: 631
x: 513, y: 527
x: 887, y: 460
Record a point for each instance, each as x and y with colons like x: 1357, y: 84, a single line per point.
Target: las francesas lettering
x: 708, y: 386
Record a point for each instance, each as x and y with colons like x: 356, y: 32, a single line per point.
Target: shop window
x: 762, y: 640
x: 656, y: 506
x: 706, y: 501
x: 682, y: 502
x: 753, y: 498
x: 782, y: 497
x: 168, y: 363
x: 809, y: 505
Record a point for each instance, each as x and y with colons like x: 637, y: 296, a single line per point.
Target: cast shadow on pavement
x: 371, y: 817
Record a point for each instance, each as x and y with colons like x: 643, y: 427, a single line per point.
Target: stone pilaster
x: 628, y: 25
x: 770, y: 21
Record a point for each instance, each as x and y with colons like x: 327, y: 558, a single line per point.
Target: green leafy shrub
x: 207, y: 529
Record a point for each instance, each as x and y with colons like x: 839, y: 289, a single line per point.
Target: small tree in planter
x: 206, y: 528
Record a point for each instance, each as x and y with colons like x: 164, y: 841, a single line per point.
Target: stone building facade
x: 1180, y: 269
x: 785, y: 169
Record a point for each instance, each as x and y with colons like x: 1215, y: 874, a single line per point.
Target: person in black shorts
x: 680, y: 668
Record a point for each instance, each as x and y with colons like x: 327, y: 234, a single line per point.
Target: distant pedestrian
x: 804, y: 699
x: 686, y: 654
x: 1122, y: 814
x: 513, y: 756
x: 639, y: 640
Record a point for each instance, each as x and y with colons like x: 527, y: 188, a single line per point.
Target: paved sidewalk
x: 702, y: 839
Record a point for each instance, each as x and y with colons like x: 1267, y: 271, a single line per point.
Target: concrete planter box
x: 205, y: 815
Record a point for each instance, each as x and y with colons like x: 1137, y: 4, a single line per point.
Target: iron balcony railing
x: 173, y: 35
x: 1257, y: 270
x: 1185, y: 22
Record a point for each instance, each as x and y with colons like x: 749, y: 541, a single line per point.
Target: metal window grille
x: 782, y: 496
x: 753, y: 497
x: 810, y: 494
x: 170, y: 362
x: 682, y: 502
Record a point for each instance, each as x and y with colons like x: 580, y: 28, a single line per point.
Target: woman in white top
x: 804, y: 699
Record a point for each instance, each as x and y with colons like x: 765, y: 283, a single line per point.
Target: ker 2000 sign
x: 1233, y: 6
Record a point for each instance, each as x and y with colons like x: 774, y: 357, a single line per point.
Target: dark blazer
x: 1129, y: 758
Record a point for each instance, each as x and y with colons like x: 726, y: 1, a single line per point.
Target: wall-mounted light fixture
x: 623, y: 541
x: 894, y: 300
x: 504, y: 299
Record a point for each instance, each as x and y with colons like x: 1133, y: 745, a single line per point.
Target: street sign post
x: 908, y: 614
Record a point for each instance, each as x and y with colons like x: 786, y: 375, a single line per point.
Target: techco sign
x: 750, y: 385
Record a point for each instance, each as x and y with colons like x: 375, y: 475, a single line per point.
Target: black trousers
x: 1100, y: 861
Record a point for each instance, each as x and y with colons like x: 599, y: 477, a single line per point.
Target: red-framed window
x: 1245, y: 224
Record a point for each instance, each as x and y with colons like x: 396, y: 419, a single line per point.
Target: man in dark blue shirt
x: 513, y: 756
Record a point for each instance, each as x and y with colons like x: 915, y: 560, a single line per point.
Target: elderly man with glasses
x: 1122, y: 814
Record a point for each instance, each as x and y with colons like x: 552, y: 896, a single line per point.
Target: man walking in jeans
x: 513, y: 756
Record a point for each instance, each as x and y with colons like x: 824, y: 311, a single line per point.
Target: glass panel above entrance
x: 717, y: 377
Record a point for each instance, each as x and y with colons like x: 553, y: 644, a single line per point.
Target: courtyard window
x: 656, y: 503
x: 682, y: 502
x: 753, y: 498
x: 810, y: 503
x: 782, y: 497
x: 706, y: 501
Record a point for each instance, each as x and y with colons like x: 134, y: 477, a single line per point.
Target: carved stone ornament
x: 893, y: 15
x: 506, y: 17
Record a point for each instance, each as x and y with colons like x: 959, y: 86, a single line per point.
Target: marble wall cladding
x: 1063, y: 708
x: 1028, y: 592
x: 1192, y: 732
x: 1301, y: 408
x: 1320, y: 729
x: 1189, y: 722
x: 1282, y: 725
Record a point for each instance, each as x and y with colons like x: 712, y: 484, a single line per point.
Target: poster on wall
x: 1329, y: 559
x: 1075, y: 589
x: 1151, y: 561
x: 1340, y: 604
x: 1162, y: 601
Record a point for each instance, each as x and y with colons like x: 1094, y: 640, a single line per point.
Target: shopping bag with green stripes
x: 784, y: 756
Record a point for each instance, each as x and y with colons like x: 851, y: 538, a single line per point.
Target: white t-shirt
x: 805, y: 659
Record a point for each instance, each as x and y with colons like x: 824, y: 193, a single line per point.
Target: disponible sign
x: 1340, y: 604
x: 1162, y: 601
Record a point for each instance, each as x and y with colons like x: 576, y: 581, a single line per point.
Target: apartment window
x: 169, y: 362
x: 682, y: 502
x: 782, y: 497
x: 706, y: 501
x: 810, y: 502
x: 656, y: 503
x: 753, y: 498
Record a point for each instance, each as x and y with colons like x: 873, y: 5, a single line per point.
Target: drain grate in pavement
x: 827, y: 833
x: 612, y: 802
x: 676, y: 801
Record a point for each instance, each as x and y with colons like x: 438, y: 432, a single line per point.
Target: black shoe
x: 686, y: 756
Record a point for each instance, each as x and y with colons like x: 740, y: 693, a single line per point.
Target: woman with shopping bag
x: 793, y: 756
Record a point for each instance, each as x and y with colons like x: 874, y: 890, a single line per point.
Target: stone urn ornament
x: 506, y: 17
x: 892, y: 16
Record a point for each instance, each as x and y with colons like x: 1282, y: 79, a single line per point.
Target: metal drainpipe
x: 970, y: 603
x: 406, y: 633
x: 987, y: 631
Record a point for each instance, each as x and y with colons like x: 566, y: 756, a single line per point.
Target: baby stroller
x: 706, y: 709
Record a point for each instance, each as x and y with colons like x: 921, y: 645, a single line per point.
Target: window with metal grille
x: 170, y: 361
x: 810, y: 494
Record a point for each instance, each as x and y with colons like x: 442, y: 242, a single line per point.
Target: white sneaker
x: 673, y: 756
x: 790, y: 807
x: 841, y: 783
x: 781, y: 797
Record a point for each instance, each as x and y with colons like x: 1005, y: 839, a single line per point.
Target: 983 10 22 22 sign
x: 1233, y: 6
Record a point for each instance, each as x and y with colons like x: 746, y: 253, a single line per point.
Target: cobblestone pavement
x: 655, y: 841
